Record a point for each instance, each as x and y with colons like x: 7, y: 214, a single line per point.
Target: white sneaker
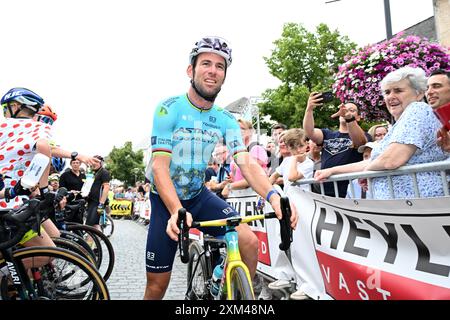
x: 279, y: 284
x: 265, y: 294
x: 299, y: 295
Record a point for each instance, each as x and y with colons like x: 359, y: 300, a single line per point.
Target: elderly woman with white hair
x: 411, y: 140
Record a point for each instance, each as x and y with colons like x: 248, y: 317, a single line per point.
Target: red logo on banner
x: 263, y: 246
x: 194, y: 231
x: 345, y: 280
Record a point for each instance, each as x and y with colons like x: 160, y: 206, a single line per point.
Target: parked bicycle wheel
x: 101, y: 247
x: 80, y: 241
x: 197, y: 274
x: 241, y: 288
x: 74, y: 247
x: 66, y: 276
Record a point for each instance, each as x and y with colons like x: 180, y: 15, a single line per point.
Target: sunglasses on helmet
x: 214, y: 43
x: 45, y: 119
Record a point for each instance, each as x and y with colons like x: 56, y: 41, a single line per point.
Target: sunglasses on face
x: 45, y: 119
x: 5, y: 108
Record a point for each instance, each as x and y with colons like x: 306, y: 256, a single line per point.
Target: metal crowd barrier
x: 412, y: 170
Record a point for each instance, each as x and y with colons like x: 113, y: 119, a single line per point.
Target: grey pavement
x: 127, y: 281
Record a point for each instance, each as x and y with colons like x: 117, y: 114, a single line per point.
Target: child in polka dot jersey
x: 20, y: 139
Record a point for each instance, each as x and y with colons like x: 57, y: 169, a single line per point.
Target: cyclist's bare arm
x: 166, y: 190
x: 61, y: 153
x: 42, y: 146
x: 104, y: 194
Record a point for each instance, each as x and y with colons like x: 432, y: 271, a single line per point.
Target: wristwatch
x: 74, y: 155
x: 351, y: 119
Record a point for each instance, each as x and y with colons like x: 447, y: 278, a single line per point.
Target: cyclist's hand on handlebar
x: 172, y: 228
x: 16, y: 190
x: 275, y: 203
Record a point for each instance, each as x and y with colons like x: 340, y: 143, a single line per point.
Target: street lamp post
x: 135, y: 171
x: 387, y: 17
x: 255, y: 112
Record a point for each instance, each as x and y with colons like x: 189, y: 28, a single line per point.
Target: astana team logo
x: 162, y: 112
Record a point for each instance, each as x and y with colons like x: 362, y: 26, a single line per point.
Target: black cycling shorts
x: 160, y: 252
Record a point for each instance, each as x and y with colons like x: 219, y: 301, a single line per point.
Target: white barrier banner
x: 373, y: 249
x: 245, y: 202
x: 142, y: 208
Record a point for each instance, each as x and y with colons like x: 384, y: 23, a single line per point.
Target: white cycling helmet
x: 212, y: 44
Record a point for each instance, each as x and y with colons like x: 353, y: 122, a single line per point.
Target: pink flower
x: 375, y: 61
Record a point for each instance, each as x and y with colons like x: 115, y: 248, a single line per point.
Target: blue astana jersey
x: 189, y: 135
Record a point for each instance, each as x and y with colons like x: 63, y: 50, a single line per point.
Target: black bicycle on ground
x: 35, y: 273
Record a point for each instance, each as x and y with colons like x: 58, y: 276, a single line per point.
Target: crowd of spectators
x: 415, y: 136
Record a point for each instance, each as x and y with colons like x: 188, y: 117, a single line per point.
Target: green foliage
x: 304, y: 62
x: 126, y: 165
x: 287, y: 106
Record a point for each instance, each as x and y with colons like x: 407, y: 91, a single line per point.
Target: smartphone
x: 327, y: 96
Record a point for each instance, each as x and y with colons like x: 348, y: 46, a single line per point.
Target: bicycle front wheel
x: 103, y: 249
x: 59, y: 274
x: 241, y: 288
x: 107, y: 226
x: 197, y: 274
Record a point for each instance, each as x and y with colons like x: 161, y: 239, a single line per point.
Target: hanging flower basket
x: 359, y: 77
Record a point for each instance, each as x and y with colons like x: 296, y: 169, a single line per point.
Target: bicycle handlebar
x: 285, y: 224
x: 23, y: 218
x: 183, y: 237
x: 285, y: 227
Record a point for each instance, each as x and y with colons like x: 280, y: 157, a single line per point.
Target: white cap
x: 367, y: 145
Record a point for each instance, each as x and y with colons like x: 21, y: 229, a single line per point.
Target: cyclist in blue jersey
x: 186, y: 129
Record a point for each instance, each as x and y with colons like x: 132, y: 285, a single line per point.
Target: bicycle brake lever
x: 183, y: 237
x: 285, y: 224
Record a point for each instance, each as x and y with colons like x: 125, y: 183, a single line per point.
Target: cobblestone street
x: 127, y: 281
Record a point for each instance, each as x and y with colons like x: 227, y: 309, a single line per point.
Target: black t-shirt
x: 209, y: 172
x: 101, y: 176
x: 338, y: 149
x: 71, y: 181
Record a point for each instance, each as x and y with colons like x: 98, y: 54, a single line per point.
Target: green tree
x: 303, y: 62
x: 126, y: 165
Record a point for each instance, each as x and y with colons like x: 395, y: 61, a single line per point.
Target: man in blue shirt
x: 339, y: 147
x: 186, y: 129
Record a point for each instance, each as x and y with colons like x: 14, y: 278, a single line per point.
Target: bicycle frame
x: 102, y: 221
x: 233, y: 257
x: 19, y: 275
x: 233, y: 260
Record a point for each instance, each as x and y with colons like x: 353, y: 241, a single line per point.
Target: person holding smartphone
x: 341, y: 146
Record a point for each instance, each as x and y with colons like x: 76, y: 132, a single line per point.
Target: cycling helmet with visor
x: 25, y: 97
x: 58, y: 163
x: 211, y: 44
x: 46, y: 115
